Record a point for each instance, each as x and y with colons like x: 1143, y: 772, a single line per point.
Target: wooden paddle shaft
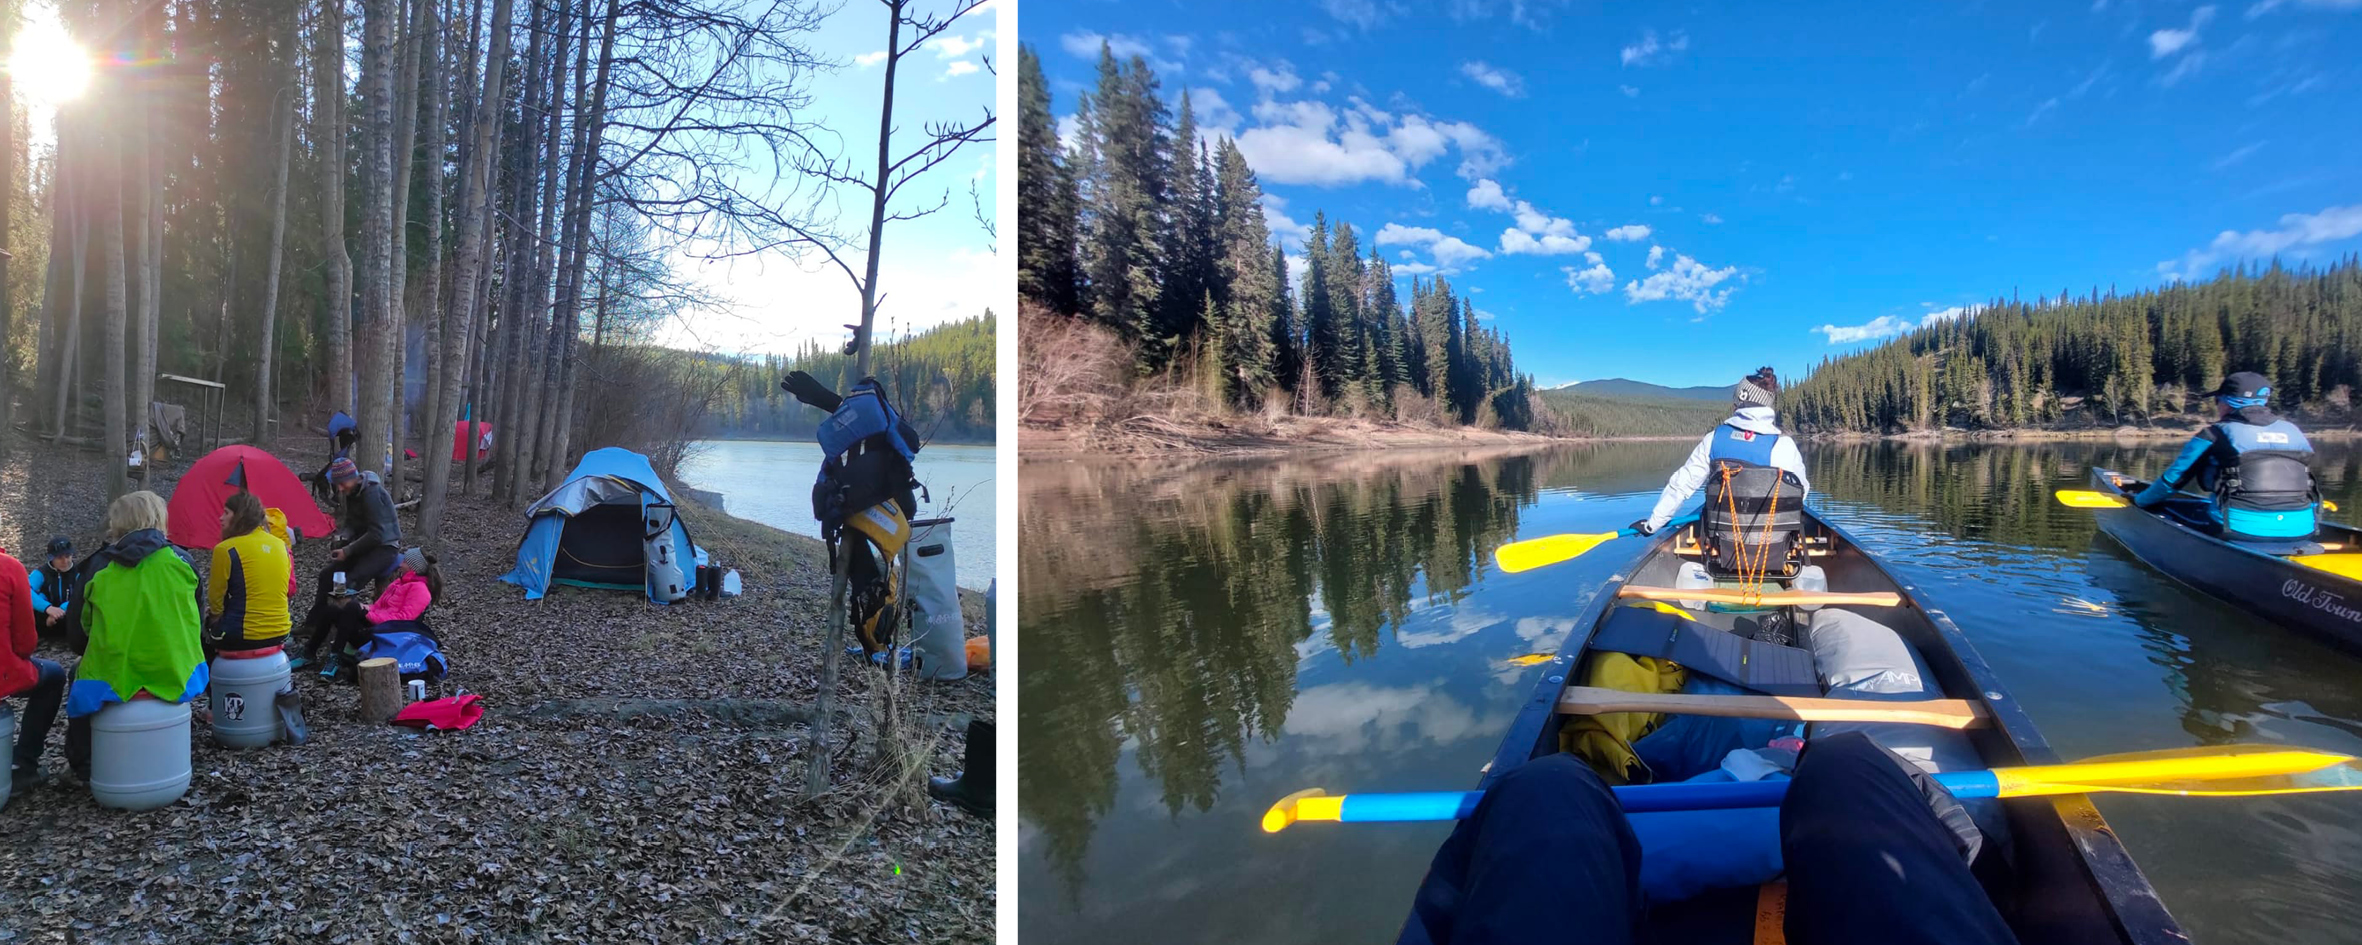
x: 1724, y: 595
x: 1945, y: 713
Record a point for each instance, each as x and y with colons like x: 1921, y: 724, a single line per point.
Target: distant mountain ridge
x: 1627, y: 389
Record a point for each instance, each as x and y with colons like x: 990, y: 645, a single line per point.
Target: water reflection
x: 1202, y: 639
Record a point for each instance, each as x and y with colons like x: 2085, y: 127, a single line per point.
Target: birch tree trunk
x: 483, y: 144
x: 328, y: 127
x: 267, y: 344
x: 377, y: 236
x: 398, y: 305
x: 516, y: 275
x: 532, y: 372
x: 589, y: 134
x: 116, y: 447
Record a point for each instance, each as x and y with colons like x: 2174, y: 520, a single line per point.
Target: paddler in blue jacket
x: 1750, y: 437
x: 2255, y: 466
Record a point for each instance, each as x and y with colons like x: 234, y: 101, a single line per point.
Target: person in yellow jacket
x: 246, y: 589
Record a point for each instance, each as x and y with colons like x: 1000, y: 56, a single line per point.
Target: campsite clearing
x: 636, y: 777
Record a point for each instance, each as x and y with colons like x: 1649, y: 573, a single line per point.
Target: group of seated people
x: 135, y: 613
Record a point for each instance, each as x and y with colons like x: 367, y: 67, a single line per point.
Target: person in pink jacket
x: 414, y: 589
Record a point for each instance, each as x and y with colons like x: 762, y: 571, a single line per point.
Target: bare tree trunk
x: 833, y: 643
x: 589, y: 135
x: 113, y: 392
x: 398, y: 306
x: 142, y: 173
x: 516, y: 273
x: 7, y: 239
x: 328, y: 130
x: 52, y: 337
x: 77, y: 218
x: 267, y: 345
x: 450, y: 347
x: 533, y: 382
x: 377, y: 233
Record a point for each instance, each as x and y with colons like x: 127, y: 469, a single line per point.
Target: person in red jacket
x: 41, y: 682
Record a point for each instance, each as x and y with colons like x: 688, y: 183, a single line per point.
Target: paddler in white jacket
x: 1750, y: 437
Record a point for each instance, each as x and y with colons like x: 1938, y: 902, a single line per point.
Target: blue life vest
x: 1742, y: 446
x: 864, y: 414
x: 2262, y: 480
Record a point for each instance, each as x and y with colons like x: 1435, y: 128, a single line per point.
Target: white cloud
x: 2296, y: 231
x: 1654, y: 201
x: 1411, y: 268
x: 962, y: 67
x: 1628, y: 233
x: 1180, y: 44
x: 953, y: 47
x: 1649, y: 50
x: 1711, y: 218
x: 1085, y: 44
x: 1450, y: 252
x: 1275, y: 79
x: 1629, y: 92
x: 1291, y: 234
x: 2039, y: 111
x: 1889, y: 325
x: 1519, y: 242
x: 1686, y: 280
x: 1487, y: 195
x: 1498, y: 80
x: 1215, y: 117
x: 1346, y: 719
x: 1656, y: 254
x: 1308, y: 141
x: 1595, y: 280
x: 868, y: 59
x: 1361, y: 13
x: 2186, y: 67
x: 2267, y: 6
x: 2163, y: 43
x: 1533, y: 220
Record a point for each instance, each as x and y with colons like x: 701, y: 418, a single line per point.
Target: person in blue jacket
x: 2255, y: 466
x: 53, y: 587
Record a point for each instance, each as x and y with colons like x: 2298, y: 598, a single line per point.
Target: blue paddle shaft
x: 1635, y: 798
x: 1672, y: 523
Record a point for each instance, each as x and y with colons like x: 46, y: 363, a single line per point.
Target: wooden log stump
x: 381, y: 689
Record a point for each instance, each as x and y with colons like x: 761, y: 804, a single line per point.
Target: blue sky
x: 1679, y: 193
x: 935, y: 269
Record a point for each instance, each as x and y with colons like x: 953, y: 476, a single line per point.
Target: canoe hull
x: 2072, y: 881
x: 2292, y: 595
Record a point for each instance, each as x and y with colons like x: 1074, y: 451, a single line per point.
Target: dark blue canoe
x: 2067, y: 880
x: 2171, y: 537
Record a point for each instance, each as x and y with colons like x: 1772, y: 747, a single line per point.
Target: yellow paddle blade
x: 1536, y: 552
x: 1307, y: 804
x: 2216, y: 769
x: 2328, y: 506
x: 2345, y: 565
x: 2087, y: 499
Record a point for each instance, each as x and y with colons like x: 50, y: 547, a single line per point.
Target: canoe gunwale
x: 2069, y: 826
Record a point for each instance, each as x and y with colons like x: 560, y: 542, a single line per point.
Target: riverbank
x: 1259, y: 436
x: 637, y: 775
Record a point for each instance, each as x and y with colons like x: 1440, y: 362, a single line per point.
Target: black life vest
x: 2260, y: 467
x: 1753, y: 511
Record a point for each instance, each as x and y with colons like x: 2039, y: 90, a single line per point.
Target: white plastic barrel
x: 7, y: 741
x: 139, y: 754
x: 244, y: 698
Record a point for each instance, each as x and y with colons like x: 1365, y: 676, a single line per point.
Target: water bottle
x: 418, y: 690
x: 339, y: 587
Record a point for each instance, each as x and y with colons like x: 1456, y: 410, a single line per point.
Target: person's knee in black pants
x: 1876, y: 851
x: 1548, y: 851
x: 41, y: 705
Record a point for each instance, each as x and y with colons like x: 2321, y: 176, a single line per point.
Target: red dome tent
x: 197, y: 501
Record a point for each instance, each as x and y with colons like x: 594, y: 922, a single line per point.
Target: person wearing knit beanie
x: 1749, y: 436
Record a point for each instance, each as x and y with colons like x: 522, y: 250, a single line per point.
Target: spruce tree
x: 1045, y: 194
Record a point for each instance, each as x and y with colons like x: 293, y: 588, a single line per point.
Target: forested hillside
x: 1140, y: 228
x: 941, y: 378
x: 1581, y: 415
x: 2105, y: 360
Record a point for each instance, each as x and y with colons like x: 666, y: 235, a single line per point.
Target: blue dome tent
x: 611, y: 525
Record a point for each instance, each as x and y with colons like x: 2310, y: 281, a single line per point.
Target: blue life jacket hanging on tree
x: 866, y: 481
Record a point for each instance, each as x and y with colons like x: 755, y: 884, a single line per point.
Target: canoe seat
x: 1754, y: 664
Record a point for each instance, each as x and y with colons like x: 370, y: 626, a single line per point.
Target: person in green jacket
x: 141, y: 614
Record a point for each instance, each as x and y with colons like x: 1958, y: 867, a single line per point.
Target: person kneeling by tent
x: 369, y: 554
x: 349, y: 628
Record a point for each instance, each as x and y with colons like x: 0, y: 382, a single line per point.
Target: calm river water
x: 771, y: 482
x: 1202, y: 640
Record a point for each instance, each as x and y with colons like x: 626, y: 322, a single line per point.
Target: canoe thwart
x: 1947, y: 713
x: 1724, y: 595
